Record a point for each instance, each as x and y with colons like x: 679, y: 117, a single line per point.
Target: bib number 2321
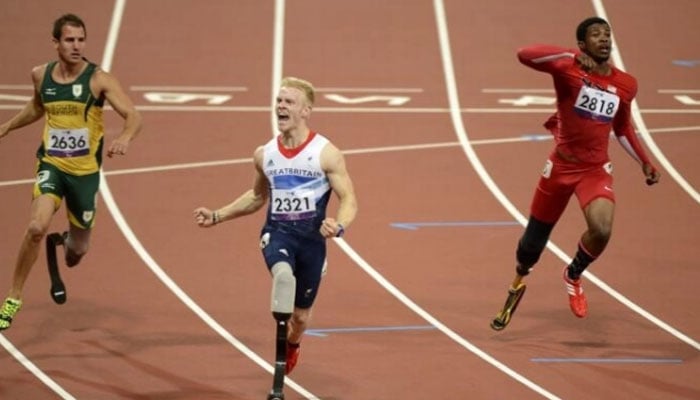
x: 288, y: 205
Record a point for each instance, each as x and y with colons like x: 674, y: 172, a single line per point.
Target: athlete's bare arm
x: 32, y: 111
x: 105, y: 83
x: 333, y: 164
x: 247, y: 203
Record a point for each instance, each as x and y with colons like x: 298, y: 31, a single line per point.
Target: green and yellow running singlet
x: 74, y: 129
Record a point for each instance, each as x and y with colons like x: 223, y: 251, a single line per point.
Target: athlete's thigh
x: 81, y: 199
x: 311, y: 260
x: 277, y: 247
x: 599, y: 214
x: 49, y: 181
x: 554, y: 189
x: 595, y: 183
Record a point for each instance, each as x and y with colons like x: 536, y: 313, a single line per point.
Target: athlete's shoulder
x: 625, y: 81
x: 627, y: 77
x: 38, y: 71
x: 321, y: 138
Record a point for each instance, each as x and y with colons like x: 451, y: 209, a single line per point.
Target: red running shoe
x: 577, y: 300
x: 292, y: 357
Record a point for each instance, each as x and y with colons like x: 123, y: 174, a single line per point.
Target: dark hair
x: 583, y: 27
x: 67, y: 19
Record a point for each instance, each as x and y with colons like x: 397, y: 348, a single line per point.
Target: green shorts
x: 80, y: 192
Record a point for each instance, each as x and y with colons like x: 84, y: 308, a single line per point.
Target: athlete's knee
x: 531, y: 244
x: 78, y: 244
x: 600, y: 232
x: 283, y: 288
x: 282, y: 273
x: 301, y: 316
x: 36, y: 231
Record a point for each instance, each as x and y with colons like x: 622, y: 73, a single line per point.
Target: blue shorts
x: 307, y: 258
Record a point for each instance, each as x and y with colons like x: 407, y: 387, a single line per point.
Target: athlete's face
x: 292, y: 109
x: 71, y: 45
x: 598, y: 42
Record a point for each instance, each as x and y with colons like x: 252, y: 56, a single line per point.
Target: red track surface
x: 124, y: 335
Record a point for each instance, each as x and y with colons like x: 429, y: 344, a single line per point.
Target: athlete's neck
x: 295, y: 138
x: 68, y: 72
x: 602, y: 67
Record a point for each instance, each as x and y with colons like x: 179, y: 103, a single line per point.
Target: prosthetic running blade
x: 504, y: 316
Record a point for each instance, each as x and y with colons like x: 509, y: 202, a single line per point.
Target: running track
x: 427, y: 100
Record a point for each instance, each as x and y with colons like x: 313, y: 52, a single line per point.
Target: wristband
x: 215, y: 218
x: 341, y: 231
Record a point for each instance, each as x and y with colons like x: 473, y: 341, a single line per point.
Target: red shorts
x: 560, y: 179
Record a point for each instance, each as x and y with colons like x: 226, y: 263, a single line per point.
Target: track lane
x: 475, y: 76
x: 343, y: 278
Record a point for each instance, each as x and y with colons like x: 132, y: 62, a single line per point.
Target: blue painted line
x: 412, y: 226
x: 686, y: 63
x: 537, y: 137
x: 325, y: 332
x: 610, y: 360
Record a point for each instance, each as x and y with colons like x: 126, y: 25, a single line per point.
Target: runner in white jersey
x: 296, y: 172
x: 299, y: 188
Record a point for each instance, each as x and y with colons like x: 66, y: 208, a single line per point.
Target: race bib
x: 597, y: 104
x: 292, y: 205
x: 68, y: 142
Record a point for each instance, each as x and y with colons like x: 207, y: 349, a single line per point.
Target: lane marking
x: 365, y: 150
x: 190, y: 88
x: 384, y: 109
x: 414, y: 226
x: 368, y: 90
x: 26, y: 363
x: 609, y: 360
x: 672, y: 91
x: 506, y: 90
x: 16, y: 87
x: 364, y: 329
x: 686, y: 63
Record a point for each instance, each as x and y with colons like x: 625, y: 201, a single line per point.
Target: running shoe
x: 292, y: 357
x: 8, y: 311
x: 577, y: 300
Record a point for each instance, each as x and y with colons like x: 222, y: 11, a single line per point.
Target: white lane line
x: 385, y: 109
x: 366, y: 150
x: 26, y: 363
x: 376, y: 90
x: 189, y: 88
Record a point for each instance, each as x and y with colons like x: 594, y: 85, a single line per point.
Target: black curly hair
x: 583, y: 27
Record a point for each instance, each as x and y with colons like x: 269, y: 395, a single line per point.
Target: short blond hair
x: 305, y: 86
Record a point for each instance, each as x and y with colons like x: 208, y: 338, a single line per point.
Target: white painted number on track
x: 182, y: 98
x: 524, y: 101
x: 390, y: 100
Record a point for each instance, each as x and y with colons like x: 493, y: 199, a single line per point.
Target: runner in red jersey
x: 593, y: 98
